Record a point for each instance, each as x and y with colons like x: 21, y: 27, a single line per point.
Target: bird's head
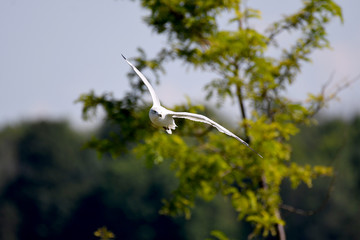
x: 155, y: 112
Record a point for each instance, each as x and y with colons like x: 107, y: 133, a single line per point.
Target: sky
x: 53, y: 51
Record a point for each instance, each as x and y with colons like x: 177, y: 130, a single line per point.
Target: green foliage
x: 209, y: 164
x: 219, y: 235
x: 117, y: 140
x: 104, y: 234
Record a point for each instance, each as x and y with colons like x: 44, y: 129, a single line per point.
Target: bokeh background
x: 53, y: 51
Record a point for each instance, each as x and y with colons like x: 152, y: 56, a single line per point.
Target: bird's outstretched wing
x: 154, y: 97
x: 201, y: 118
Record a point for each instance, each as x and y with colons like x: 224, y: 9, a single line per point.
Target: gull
x: 162, y: 117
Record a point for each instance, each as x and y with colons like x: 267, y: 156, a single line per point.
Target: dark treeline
x: 52, y: 188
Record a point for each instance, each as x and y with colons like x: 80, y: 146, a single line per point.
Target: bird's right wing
x: 154, y: 97
x: 202, y: 118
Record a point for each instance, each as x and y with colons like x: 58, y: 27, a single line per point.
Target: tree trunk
x: 280, y: 231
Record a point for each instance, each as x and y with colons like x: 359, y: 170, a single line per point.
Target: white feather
x: 204, y: 119
x: 155, y: 99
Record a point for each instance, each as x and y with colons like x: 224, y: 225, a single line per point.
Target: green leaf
x: 219, y: 235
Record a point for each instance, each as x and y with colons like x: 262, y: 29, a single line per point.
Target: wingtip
x: 253, y: 149
x: 256, y: 152
x: 123, y: 56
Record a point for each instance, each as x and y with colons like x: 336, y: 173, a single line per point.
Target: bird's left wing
x: 202, y: 118
x: 154, y: 97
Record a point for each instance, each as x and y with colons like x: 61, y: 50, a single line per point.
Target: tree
x: 211, y: 164
x: 45, y: 177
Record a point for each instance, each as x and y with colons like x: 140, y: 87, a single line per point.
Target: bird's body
x: 161, y: 117
x: 164, y: 118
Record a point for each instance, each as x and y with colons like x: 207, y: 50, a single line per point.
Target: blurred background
x: 53, y: 51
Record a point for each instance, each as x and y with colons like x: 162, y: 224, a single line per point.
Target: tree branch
x: 311, y: 212
x: 333, y: 93
x: 242, y: 110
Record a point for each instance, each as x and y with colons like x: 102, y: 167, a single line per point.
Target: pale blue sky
x: 52, y: 51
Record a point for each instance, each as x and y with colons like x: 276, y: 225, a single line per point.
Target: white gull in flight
x: 164, y: 118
